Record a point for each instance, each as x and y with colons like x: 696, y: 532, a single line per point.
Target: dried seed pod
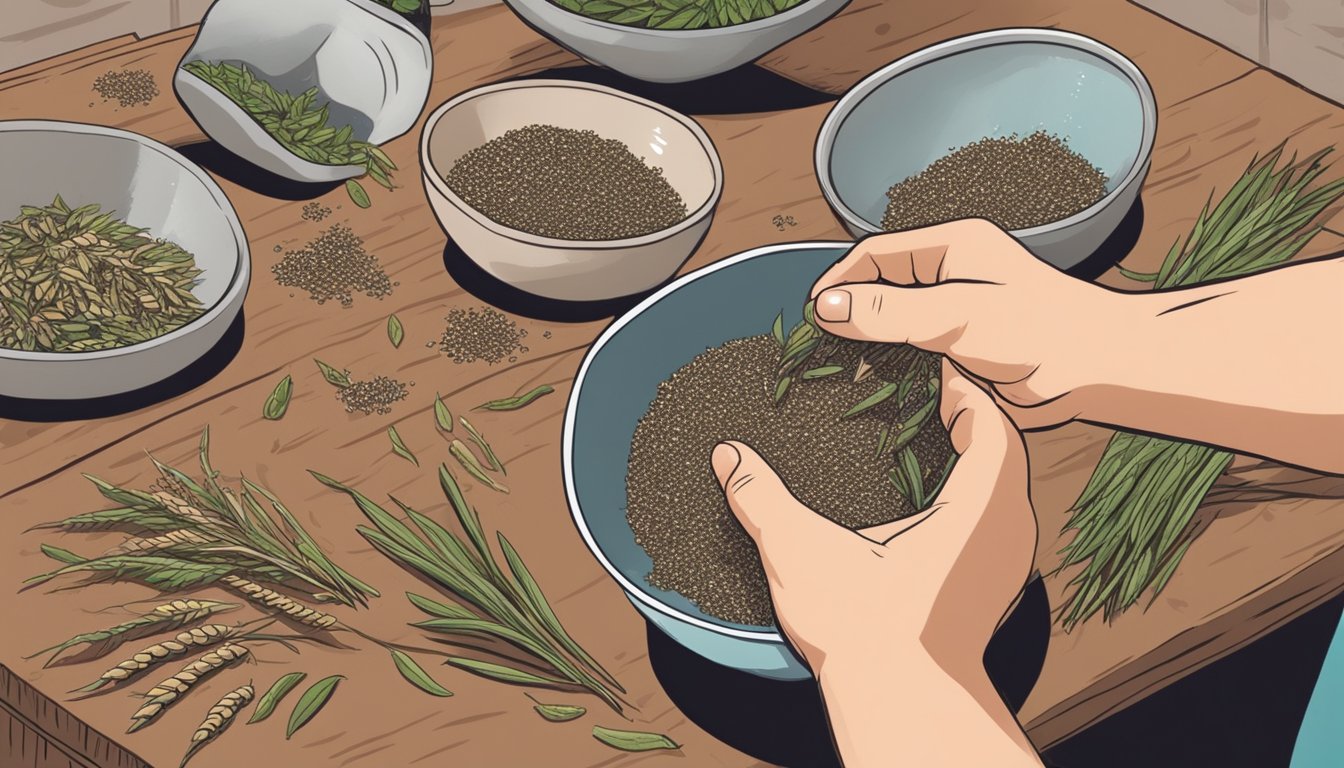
x: 182, y: 509
x: 220, y: 717
x: 183, y: 643
x: 282, y: 603
x: 145, y: 544
x: 165, y: 693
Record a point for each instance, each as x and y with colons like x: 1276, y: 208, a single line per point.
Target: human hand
x: 935, y: 584
x: 966, y: 289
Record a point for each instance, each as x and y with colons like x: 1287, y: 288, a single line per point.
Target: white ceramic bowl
x: 671, y: 56
x: 147, y: 185
x: 572, y: 270
x: 903, y: 117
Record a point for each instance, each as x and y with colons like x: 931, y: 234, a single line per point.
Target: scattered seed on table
x: 566, y: 184
x: 1014, y: 181
x: 372, y: 395
x: 334, y: 265
x: 315, y: 211
x: 127, y: 87
x: 480, y: 333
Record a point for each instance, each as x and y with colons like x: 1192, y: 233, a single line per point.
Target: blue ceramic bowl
x: 902, y: 118
x: 730, y: 299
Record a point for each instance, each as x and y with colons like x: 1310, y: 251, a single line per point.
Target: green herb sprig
x: 491, y: 599
x: 298, y: 123
x: 678, y: 14
x: 1133, y: 520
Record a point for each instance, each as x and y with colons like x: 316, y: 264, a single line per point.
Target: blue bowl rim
x: 242, y: 267
x: 865, y: 87
x: 632, y: 590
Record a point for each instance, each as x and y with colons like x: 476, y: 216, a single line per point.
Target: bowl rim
x: 242, y: 266
x: 802, y: 9
x: 830, y: 127
x: 633, y: 591
x: 430, y: 172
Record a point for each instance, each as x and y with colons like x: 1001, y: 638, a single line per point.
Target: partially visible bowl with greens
x: 673, y: 41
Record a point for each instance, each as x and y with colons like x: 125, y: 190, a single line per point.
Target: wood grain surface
x: 1271, y: 551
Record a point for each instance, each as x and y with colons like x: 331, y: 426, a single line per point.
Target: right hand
x: 968, y: 290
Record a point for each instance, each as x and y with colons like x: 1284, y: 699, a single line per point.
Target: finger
x: 932, y: 318
x: 956, y: 250
x: 991, y: 459
x: 759, y: 499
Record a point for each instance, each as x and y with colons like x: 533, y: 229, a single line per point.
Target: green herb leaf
x: 416, y: 675
x: 405, y: 6
x: 502, y: 673
x: 633, y: 741
x: 333, y: 376
x: 480, y: 442
x: 268, y: 701
x: 278, y: 402
x: 357, y: 193
x: 473, y: 466
x: 441, y: 414
x: 558, y: 713
x: 871, y: 401
x: 514, y: 403
x: 311, y: 702
x: 395, y: 333
x: 822, y: 372
x: 782, y: 387
x: 399, y: 447
x: 777, y: 330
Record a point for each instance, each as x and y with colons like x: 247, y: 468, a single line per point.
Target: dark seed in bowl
x: 566, y: 184
x: 1016, y: 182
x: 674, y: 504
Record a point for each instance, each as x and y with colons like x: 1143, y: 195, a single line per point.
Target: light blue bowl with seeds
x: 899, y: 120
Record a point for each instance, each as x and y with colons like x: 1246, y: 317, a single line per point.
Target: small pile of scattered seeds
x: 481, y: 333
x: 128, y: 87
x: 566, y: 184
x: 315, y: 211
x: 371, y: 395
x: 334, y: 266
x: 673, y: 501
x: 1015, y: 182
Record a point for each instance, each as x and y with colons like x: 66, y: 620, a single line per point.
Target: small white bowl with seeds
x: 569, y: 190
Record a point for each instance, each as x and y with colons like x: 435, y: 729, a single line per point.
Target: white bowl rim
x: 764, y: 634
x: 801, y: 9
x: 865, y: 87
x: 242, y: 263
x: 431, y: 174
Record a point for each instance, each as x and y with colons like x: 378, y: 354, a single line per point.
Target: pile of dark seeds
x: 315, y: 211
x: 1015, y: 182
x: 674, y: 503
x: 482, y: 333
x: 371, y: 395
x: 566, y: 184
x: 128, y: 87
x: 334, y: 266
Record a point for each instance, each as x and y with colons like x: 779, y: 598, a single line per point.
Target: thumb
x: 759, y: 499
x: 930, y: 317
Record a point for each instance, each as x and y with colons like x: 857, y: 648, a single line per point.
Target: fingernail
x: 833, y: 306
x: 724, y: 459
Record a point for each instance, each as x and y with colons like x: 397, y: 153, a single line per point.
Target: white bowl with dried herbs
x: 569, y: 190
x: 311, y: 93
x: 121, y: 262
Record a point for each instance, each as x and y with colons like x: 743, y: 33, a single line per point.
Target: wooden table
x: 1271, y: 551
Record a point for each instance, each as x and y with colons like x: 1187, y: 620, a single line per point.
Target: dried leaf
x: 479, y: 440
x: 278, y: 402
x: 416, y: 675
x: 278, y: 690
x: 333, y: 376
x: 441, y: 414
x: 633, y: 741
x: 558, y: 713
x: 514, y: 403
x: 395, y: 333
x: 399, y: 447
x: 311, y: 702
